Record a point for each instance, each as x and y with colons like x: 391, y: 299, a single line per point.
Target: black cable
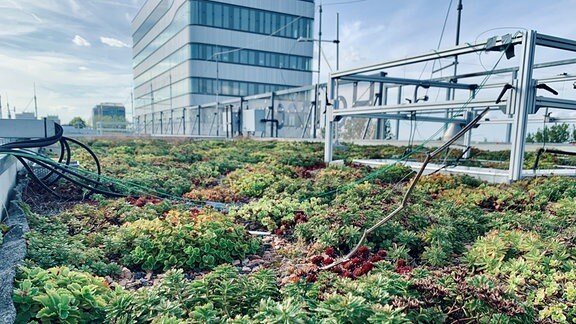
x: 64, y: 152
x: 35, y: 178
x: 60, y: 169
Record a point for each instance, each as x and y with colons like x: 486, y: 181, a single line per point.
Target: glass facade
x: 176, y: 58
x: 221, y: 15
x: 178, y: 23
x: 234, y: 55
x: 169, y: 51
x: 251, y: 57
x: 232, y: 88
x: 158, y: 12
x: 207, y: 86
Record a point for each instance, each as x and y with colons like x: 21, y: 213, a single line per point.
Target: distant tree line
x: 559, y: 133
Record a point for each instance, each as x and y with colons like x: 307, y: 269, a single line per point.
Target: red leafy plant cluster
x: 402, y: 267
x: 143, y: 200
x: 285, y: 225
x: 360, y: 263
x: 308, y: 172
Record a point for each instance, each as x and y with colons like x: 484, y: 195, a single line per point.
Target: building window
x: 251, y: 20
x: 232, y: 88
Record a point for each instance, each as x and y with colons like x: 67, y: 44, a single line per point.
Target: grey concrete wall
x: 9, y: 167
x: 12, y: 252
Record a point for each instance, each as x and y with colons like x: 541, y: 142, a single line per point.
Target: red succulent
x: 330, y: 251
x: 317, y: 260
x: 375, y: 258
x: 328, y: 260
x: 311, y: 277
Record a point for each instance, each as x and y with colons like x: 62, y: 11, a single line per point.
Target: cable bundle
x: 60, y: 168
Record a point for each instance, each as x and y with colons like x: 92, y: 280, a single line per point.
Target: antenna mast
x: 35, y: 102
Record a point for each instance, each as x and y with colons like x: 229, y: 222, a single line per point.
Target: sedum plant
x: 59, y: 295
x: 191, y: 240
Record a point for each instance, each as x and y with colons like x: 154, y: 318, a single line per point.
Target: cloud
x: 80, y: 41
x: 113, y: 42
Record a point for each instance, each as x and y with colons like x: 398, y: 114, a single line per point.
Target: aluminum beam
x: 523, y: 104
x: 556, y: 42
x: 458, y: 50
x: 548, y: 102
x: 417, y: 118
x: 531, y: 119
x: 403, y: 81
x: 420, y: 107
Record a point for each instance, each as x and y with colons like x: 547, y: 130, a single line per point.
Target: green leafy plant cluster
x: 59, y: 295
x: 52, y: 243
x: 541, y: 270
x: 271, y: 212
x: 185, y: 240
x: 219, y: 295
x: 3, y: 230
x: 252, y: 181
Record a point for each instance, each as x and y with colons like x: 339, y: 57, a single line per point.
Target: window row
x: 179, y: 88
x: 250, y: 57
x: 215, y: 14
x: 221, y: 15
x: 165, y: 65
x: 233, y: 55
x: 158, y: 12
x: 179, y: 21
x: 232, y: 88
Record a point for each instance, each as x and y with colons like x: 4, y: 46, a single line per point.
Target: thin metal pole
x: 458, y: 26
x: 132, y: 109
x: 184, y: 121
x: 35, y: 101
x: 337, y: 41
x: 152, y: 106
x: 217, y: 93
x: 316, y: 96
x: 272, y: 99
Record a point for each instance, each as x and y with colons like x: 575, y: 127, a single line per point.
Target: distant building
x: 193, y: 52
x: 25, y: 115
x: 54, y: 118
x: 108, y: 113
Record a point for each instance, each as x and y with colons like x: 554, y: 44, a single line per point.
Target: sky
x: 78, y: 53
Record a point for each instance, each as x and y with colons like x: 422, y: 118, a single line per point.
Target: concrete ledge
x: 12, y: 252
x: 9, y: 167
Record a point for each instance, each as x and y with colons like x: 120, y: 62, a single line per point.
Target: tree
x: 78, y: 122
x: 558, y: 133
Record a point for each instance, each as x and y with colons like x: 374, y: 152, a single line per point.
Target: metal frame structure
x: 518, y: 99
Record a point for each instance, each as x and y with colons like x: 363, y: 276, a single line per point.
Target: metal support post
x: 329, y: 136
x: 161, y: 122
x: 524, y: 103
x: 171, y: 121
x: 183, y: 121
x: 199, y: 121
x: 397, y: 123
x: 272, y: 99
x: 381, y: 122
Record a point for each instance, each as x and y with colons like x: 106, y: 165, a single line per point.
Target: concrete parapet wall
x: 9, y: 167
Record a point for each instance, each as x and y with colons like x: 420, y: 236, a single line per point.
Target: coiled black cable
x: 61, y: 168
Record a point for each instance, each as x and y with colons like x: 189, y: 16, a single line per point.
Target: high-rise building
x: 192, y: 52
